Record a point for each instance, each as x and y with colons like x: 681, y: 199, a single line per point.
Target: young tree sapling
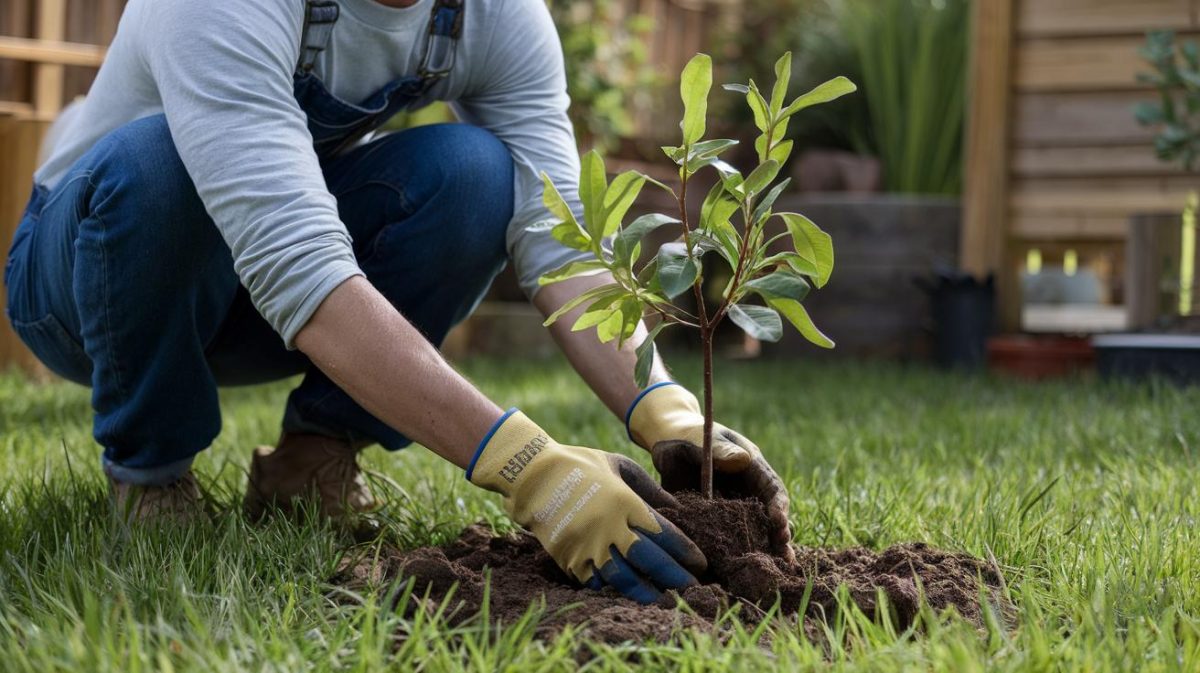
x: 781, y: 280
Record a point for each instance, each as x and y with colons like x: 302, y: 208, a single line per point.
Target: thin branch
x: 672, y: 318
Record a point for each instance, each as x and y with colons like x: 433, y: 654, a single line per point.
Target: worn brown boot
x: 308, y: 468
x: 178, y: 502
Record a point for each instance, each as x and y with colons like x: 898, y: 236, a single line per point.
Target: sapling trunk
x: 707, y: 327
x: 706, y: 463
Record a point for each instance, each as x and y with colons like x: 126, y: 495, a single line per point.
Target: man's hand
x: 666, y: 421
x: 591, y: 510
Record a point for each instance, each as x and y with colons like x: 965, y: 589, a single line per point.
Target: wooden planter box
x: 871, y: 306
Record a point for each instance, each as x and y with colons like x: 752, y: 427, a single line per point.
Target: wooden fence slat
x: 20, y: 139
x: 47, y: 51
x: 1100, y: 201
x: 1101, y: 17
x: 1080, y: 119
x: 986, y: 168
x: 1067, y: 226
x: 1080, y: 64
x: 1113, y: 161
x: 48, y: 78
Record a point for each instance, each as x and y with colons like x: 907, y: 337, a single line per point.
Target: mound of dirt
x: 743, y: 571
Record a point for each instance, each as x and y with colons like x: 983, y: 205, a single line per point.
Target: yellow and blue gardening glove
x: 591, y: 510
x: 666, y: 420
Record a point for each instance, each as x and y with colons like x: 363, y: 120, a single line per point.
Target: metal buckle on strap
x: 445, y: 27
x: 319, y: 19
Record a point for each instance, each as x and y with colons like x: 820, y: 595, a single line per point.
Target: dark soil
x: 743, y: 572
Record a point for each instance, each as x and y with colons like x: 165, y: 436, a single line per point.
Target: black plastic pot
x: 962, y: 309
x: 1174, y: 357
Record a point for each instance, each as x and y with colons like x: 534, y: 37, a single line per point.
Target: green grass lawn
x: 1085, y: 493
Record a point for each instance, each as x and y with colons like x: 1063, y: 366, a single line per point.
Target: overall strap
x: 319, y: 18
x: 445, y: 27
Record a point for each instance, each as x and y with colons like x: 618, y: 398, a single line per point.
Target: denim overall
x: 336, y: 124
x: 121, y: 281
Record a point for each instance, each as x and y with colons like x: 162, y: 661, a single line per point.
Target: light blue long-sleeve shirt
x: 222, y: 74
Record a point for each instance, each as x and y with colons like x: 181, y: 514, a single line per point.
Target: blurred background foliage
x: 909, y: 58
x: 608, y: 75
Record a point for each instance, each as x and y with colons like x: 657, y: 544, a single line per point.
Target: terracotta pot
x: 1039, y: 357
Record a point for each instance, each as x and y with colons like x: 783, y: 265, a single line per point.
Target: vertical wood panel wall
x: 1077, y: 165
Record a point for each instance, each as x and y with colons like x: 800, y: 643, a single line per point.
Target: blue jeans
x: 118, y: 279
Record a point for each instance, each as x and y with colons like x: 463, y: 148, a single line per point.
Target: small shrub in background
x: 1176, y: 77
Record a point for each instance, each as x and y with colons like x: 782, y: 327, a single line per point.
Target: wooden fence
x: 1055, y: 156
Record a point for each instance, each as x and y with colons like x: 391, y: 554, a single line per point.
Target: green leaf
x: 696, y: 164
x: 812, y: 244
x: 706, y: 153
x: 674, y: 153
x: 783, y: 77
x: 759, y: 322
x: 796, y: 314
x: 610, y: 327
x: 554, y: 201
x: 621, y: 195
x: 758, y: 105
x: 647, y: 278
x: 571, y: 270
x: 790, y: 259
x: 717, y: 206
x: 677, y: 272
x: 593, y: 317
x: 630, y: 235
x: 694, y: 84
x: 595, y: 293
x: 764, y: 206
x: 781, y: 152
x: 715, y: 212
x: 593, y: 183
x: 1149, y: 114
x: 760, y: 177
x: 711, y: 148
x: 631, y: 316
x: 570, y: 235
x: 645, y: 356
x: 781, y: 284
x: 730, y: 239
x: 731, y: 178
x: 823, y: 93
x: 567, y: 231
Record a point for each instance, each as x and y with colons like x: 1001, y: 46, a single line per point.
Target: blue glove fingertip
x: 654, y: 562
x: 622, y: 577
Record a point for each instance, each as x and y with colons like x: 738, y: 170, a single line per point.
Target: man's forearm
x: 361, y: 342
x: 607, y: 370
